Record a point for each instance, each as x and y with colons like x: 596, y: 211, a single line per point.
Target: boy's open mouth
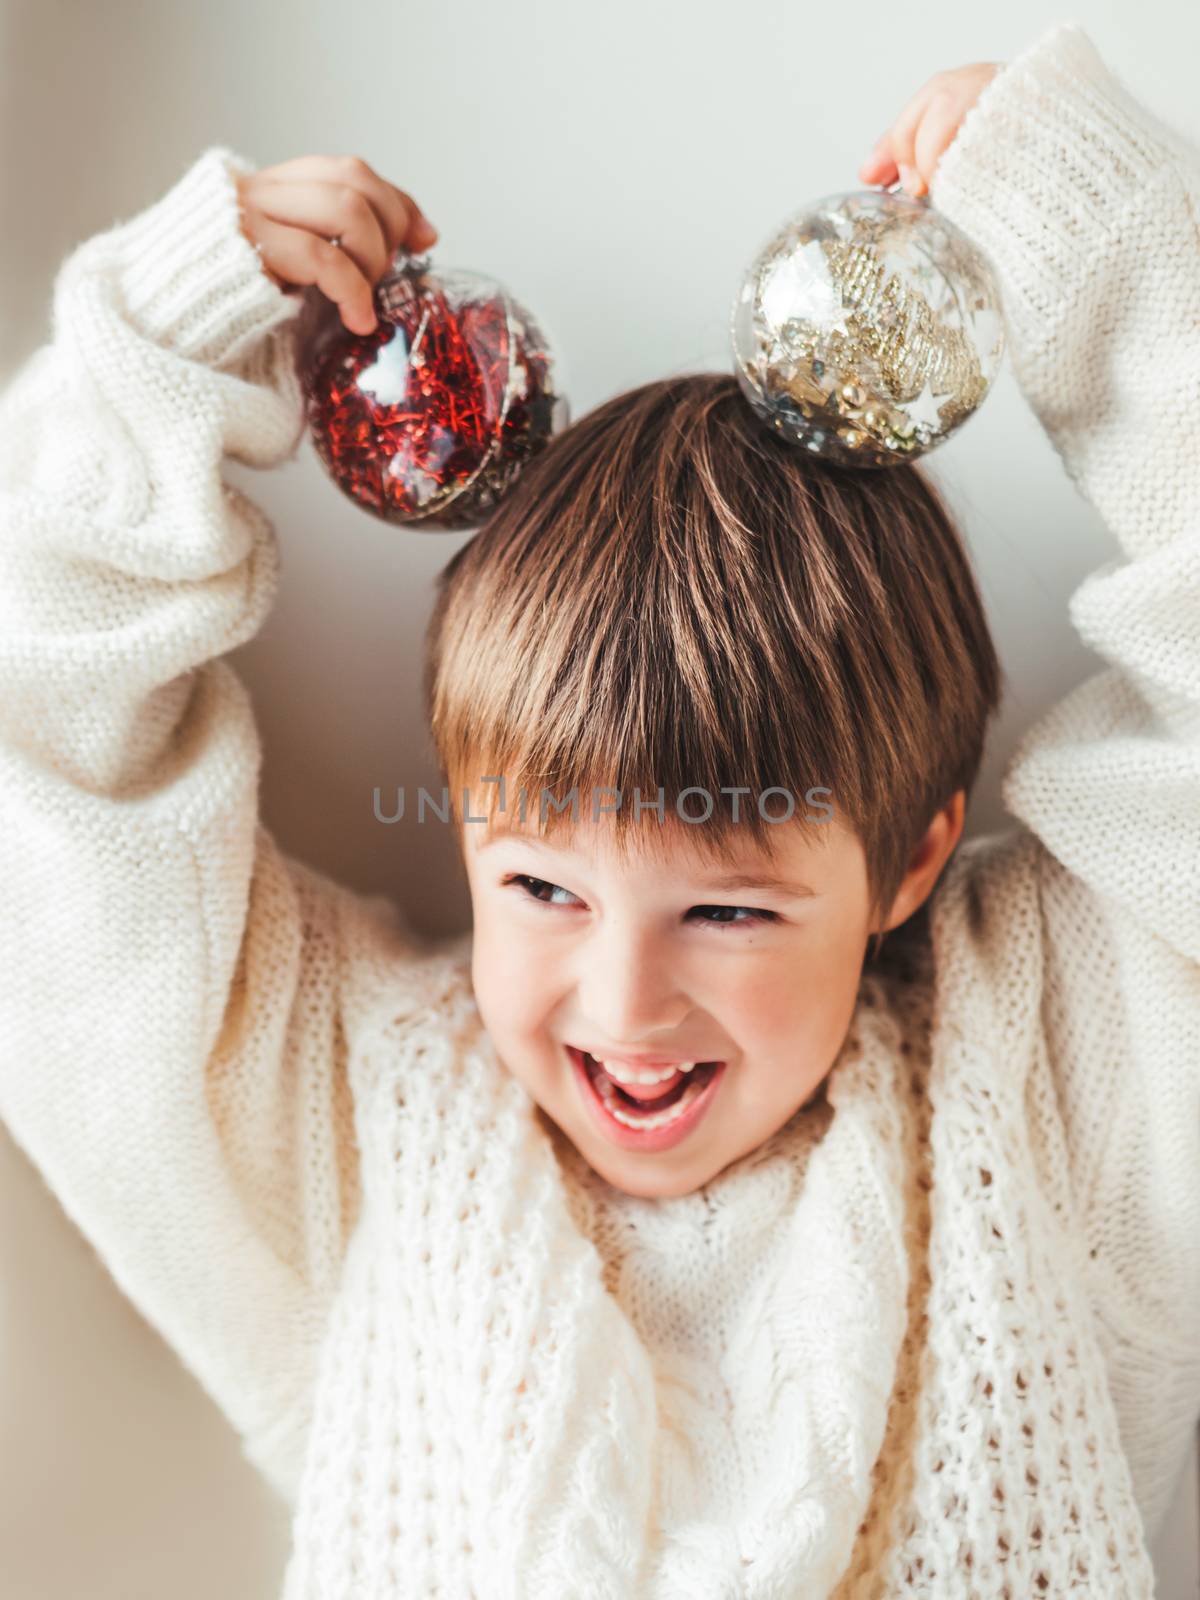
x: 652, y: 1117
x: 648, y: 1098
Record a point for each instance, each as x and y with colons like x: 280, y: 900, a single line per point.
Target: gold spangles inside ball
x: 868, y: 330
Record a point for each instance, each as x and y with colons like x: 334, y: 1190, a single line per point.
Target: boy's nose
x: 629, y: 1000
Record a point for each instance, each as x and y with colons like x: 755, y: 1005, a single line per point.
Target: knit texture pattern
x: 937, y: 1336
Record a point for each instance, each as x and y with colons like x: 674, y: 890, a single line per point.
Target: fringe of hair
x: 674, y: 598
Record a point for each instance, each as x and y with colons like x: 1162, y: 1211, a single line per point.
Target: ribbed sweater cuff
x: 189, y: 277
x: 1043, y: 170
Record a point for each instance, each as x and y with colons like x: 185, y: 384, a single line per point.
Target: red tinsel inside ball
x: 430, y: 418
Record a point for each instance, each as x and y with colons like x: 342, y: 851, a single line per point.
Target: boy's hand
x: 912, y: 147
x: 291, y: 212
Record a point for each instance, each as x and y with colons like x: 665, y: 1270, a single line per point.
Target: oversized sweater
x: 938, y: 1334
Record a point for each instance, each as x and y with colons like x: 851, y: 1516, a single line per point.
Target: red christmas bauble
x: 429, y: 420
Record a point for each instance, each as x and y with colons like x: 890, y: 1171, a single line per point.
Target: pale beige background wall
x: 617, y: 165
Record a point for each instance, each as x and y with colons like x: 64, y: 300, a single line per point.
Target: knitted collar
x: 860, y: 1352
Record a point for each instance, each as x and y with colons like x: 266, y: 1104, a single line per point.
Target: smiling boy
x: 820, y: 702
x: 912, y: 1307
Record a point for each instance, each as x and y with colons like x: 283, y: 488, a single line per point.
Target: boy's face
x: 579, y: 947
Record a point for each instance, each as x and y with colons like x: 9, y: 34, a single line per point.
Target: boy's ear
x: 927, y: 860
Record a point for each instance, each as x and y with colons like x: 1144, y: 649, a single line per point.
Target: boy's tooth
x: 663, y: 1118
x: 624, y: 1074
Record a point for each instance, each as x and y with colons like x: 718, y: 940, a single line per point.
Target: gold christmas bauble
x: 868, y: 329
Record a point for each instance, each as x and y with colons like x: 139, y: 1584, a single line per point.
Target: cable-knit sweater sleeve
x: 171, y: 1052
x: 1089, y: 206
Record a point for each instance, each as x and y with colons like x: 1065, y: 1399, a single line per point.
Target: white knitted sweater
x: 937, y: 1336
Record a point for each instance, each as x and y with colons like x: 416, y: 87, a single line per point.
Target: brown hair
x: 674, y: 597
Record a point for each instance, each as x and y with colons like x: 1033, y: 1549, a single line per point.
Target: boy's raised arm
x: 171, y: 1049
x: 1089, y: 207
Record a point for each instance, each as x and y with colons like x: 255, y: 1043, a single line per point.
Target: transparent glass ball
x: 428, y: 421
x: 869, y: 329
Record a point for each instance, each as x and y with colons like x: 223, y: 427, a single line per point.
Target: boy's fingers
x: 928, y: 125
x: 886, y: 173
x: 902, y: 135
x: 396, y: 208
x: 298, y: 257
x: 336, y: 210
x: 876, y: 162
x: 422, y: 233
x: 935, y: 133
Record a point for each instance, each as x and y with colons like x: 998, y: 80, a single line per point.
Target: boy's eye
x: 734, y: 916
x: 533, y: 886
x: 722, y: 916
